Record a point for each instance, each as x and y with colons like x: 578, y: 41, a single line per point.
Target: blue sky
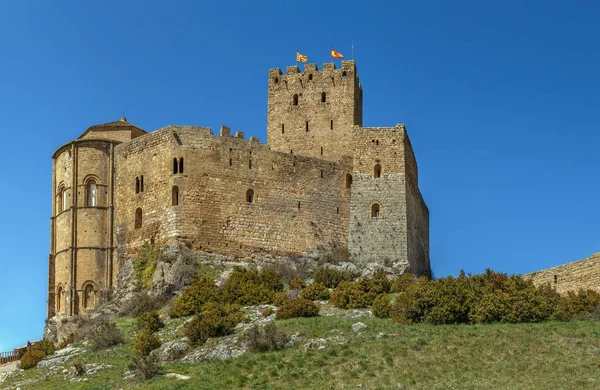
x: 500, y: 99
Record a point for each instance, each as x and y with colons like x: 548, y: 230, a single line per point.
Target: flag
x: 301, y: 58
x: 335, y: 54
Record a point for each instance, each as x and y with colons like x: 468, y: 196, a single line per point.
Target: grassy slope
x: 548, y: 355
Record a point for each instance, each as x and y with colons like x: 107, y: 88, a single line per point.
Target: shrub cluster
x: 149, y: 320
x: 146, y: 340
x: 144, y: 367
x: 270, y: 339
x: 402, y: 282
x: 331, y: 277
x: 36, y: 353
x: 352, y: 295
x: 195, y: 296
x: 297, y: 307
x: 105, y: 334
x: 297, y: 283
x: 214, y: 320
x: 485, y: 298
x: 315, y: 292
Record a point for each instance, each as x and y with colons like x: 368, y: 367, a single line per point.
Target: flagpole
x: 352, y: 50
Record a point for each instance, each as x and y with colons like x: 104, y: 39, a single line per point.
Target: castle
x: 322, y: 182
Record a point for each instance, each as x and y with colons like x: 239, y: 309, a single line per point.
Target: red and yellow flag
x: 300, y: 57
x: 335, y: 54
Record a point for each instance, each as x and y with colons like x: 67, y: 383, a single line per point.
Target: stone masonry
x: 582, y: 274
x: 322, y: 182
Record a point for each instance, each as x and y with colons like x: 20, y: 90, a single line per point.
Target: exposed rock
x: 177, y: 376
x: 344, y: 266
x: 171, y: 351
x: 315, y: 344
x: 59, y: 328
x: 357, y: 327
x: 225, y: 349
x: 127, y: 284
x: 175, y: 270
x: 361, y: 313
x: 60, y: 356
x: 254, y: 317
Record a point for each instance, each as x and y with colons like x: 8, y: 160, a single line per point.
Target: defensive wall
x: 581, y: 274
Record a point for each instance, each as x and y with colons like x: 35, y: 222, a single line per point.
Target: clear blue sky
x: 501, y: 101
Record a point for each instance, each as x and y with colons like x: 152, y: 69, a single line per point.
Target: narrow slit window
x: 138, y: 218
x: 58, y: 298
x: 323, y: 97
x: 175, y: 166
x: 321, y: 173
x: 295, y: 99
x: 142, y: 183
x: 282, y: 128
x: 331, y: 125
x: 321, y: 150
x: 230, y: 162
x: 375, y: 211
x: 250, y: 196
x: 337, y: 210
x: 377, y: 171
x: 307, y: 126
x: 175, y: 196
x: 249, y: 164
x: 137, y: 185
x: 555, y: 279
x: 180, y: 165
x: 298, y: 205
x: 90, y: 193
x: 348, y: 181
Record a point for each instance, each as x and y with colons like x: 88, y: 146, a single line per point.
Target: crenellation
x: 321, y: 181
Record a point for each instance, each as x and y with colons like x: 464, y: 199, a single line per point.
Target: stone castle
x: 321, y: 183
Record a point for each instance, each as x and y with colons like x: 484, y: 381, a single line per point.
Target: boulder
x: 172, y: 350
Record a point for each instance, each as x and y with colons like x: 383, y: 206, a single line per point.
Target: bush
x: 297, y: 283
x: 411, y: 306
x: 331, y: 277
x: 381, y: 283
x: 192, y: 299
x: 270, y: 339
x: 249, y: 287
x: 297, y: 307
x: 140, y: 303
x: 400, y: 284
x: 315, y: 292
x: 352, y: 295
x: 144, y: 367
x: 267, y: 312
x: 280, y: 298
x: 149, y: 320
x: 381, y: 306
x: 146, y: 341
x: 215, y: 320
x: 105, y: 335
x: 145, y: 263
x: 45, y: 346
x: 31, y: 358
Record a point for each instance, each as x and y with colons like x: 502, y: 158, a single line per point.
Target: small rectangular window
x: 332, y: 124
x: 306, y: 126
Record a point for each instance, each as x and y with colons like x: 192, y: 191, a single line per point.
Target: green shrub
x: 249, y: 287
x: 270, y: 339
x: 352, y: 295
x: 315, y: 292
x: 297, y: 307
x: 381, y: 283
x: 149, y: 320
x: 105, y: 335
x: 45, y: 346
x: 280, y: 298
x: 400, y: 284
x: 215, y: 320
x: 297, y: 283
x: 145, y: 263
x: 195, y: 296
x: 267, y: 312
x: 381, y: 306
x: 411, y: 306
x: 31, y: 358
x: 146, y: 341
x: 331, y: 277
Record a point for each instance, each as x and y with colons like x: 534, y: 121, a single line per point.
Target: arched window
x: 181, y: 165
x: 59, y: 294
x: 348, y: 180
x: 142, y: 183
x: 295, y: 100
x: 138, y: 218
x: 90, y: 193
x: 377, y: 171
x: 175, y: 166
x: 61, y: 204
x: 250, y: 196
x: 323, y: 97
x: 137, y: 185
x: 175, y: 196
x: 375, y: 211
x: 89, y: 297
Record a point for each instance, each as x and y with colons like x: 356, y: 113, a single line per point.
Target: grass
x: 557, y: 355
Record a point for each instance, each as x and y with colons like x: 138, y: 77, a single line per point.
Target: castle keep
x: 322, y: 182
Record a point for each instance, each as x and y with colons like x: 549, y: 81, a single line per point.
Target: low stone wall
x: 582, y: 274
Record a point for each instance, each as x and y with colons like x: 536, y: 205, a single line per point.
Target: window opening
x: 555, y: 278
x: 58, y: 299
x: 310, y: 76
x: 282, y: 128
x: 230, y: 162
x: 175, y: 196
x: 298, y: 205
x: 180, y: 167
x: 249, y: 164
x: 307, y: 126
x: 321, y: 150
x: 348, y: 180
x: 276, y: 80
x: 175, y: 166
x: 88, y: 297
x: 138, y: 218
x: 377, y: 171
x: 375, y: 211
x: 250, y: 196
x: 90, y: 195
x: 142, y: 183
x: 344, y: 74
x: 295, y: 101
x: 337, y: 211
x: 137, y: 185
x: 331, y: 126
x: 321, y: 173
x: 323, y: 97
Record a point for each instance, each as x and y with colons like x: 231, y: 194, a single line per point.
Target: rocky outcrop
x: 171, y: 350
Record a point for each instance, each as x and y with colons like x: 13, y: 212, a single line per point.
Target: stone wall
x: 582, y: 274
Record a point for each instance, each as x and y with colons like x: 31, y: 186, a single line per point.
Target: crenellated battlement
x: 311, y: 71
